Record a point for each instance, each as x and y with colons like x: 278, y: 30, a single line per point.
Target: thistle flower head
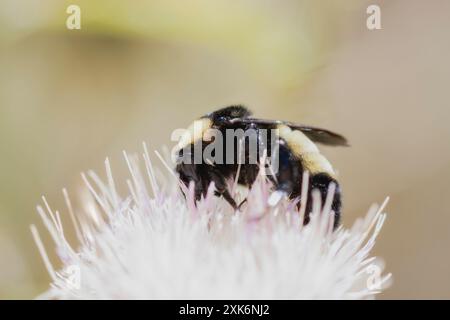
x: 155, y: 243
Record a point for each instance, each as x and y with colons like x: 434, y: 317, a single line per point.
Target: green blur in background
x: 138, y: 70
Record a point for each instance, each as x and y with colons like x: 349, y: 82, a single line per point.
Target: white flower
x: 159, y: 245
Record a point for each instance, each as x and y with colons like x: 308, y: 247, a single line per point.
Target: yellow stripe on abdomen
x: 306, y: 150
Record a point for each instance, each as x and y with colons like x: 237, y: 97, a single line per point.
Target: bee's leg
x: 240, y: 204
x: 227, y: 196
x: 196, y: 174
x: 202, y: 175
x: 221, y: 187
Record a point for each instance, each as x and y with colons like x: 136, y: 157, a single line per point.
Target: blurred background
x: 137, y: 70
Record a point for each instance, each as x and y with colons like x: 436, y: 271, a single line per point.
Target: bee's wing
x: 318, y: 135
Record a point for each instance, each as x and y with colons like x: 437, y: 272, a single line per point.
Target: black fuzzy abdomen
x: 321, y: 183
x: 289, y: 179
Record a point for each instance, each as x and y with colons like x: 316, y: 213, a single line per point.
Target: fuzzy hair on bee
x: 295, y: 149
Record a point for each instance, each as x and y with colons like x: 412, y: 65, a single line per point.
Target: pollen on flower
x: 156, y: 243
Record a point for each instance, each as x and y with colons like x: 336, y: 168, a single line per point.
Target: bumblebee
x: 294, y: 147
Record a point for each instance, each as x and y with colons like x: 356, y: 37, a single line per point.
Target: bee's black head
x: 225, y: 115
